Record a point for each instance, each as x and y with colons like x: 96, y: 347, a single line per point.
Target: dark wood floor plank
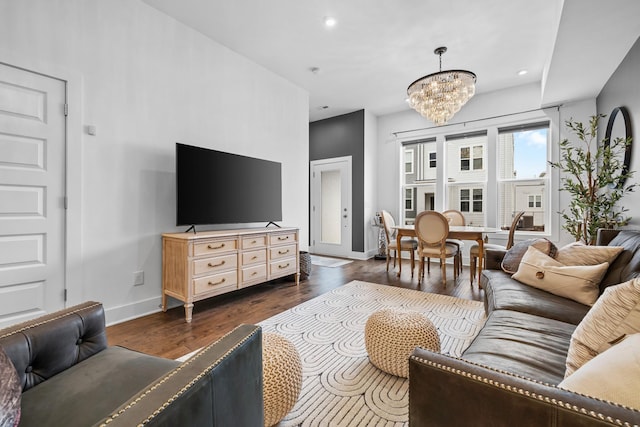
x: 168, y: 335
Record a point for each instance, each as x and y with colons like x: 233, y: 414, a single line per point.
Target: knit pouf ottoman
x: 281, y: 377
x: 390, y: 336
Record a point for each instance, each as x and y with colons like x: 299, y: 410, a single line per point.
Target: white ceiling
x: 379, y: 47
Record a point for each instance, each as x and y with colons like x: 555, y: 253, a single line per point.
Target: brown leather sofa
x: 509, y: 373
x: 71, y: 377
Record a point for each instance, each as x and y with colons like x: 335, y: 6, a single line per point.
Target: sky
x: 530, y: 158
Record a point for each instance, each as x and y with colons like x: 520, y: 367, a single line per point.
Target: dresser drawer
x: 279, y: 239
x: 254, y: 257
x: 250, y: 242
x: 213, y: 247
x: 257, y: 272
x: 282, y: 267
x: 216, y: 282
x: 282, y: 252
x: 214, y: 264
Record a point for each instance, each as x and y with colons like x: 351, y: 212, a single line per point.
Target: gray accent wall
x: 623, y: 90
x: 344, y: 136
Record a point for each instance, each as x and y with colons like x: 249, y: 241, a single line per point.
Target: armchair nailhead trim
x: 183, y: 389
x: 527, y: 393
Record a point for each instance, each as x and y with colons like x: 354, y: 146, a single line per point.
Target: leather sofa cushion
x: 523, y: 344
x: 85, y: 393
x: 504, y: 293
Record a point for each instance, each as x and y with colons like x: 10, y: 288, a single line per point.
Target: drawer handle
x: 254, y: 257
x: 215, y: 247
x: 254, y: 242
x: 283, y: 252
x: 254, y: 273
x: 217, y: 283
x: 282, y: 267
x: 216, y: 265
x: 283, y: 238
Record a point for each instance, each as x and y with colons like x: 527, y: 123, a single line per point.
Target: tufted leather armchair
x: 71, y: 377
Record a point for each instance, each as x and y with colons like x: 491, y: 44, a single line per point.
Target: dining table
x: 460, y: 232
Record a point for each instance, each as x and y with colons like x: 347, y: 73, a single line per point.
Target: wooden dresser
x: 209, y: 263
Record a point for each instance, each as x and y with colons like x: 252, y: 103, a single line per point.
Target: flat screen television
x: 214, y: 187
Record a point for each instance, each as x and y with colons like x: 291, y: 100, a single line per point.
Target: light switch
x: 91, y: 130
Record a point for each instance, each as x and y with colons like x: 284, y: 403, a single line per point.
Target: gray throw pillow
x: 10, y: 392
x: 512, y: 258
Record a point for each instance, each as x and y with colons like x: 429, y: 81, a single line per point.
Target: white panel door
x: 331, y: 206
x: 32, y: 189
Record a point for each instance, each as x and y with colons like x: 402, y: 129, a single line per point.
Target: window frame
x: 491, y: 193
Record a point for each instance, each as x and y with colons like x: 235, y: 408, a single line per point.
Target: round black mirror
x: 617, y: 130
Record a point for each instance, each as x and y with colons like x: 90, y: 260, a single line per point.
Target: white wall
x: 147, y: 81
x: 486, y: 107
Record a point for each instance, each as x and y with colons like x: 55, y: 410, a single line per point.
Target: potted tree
x: 595, y: 177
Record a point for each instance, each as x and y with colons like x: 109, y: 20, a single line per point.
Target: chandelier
x: 440, y: 95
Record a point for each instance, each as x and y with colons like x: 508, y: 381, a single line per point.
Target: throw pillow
x: 512, y: 258
x: 579, y: 283
x: 613, y: 375
x: 615, y: 314
x: 580, y: 254
x: 10, y: 392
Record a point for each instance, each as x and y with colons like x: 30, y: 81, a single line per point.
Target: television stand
x: 210, y: 263
x: 193, y: 227
x: 271, y: 222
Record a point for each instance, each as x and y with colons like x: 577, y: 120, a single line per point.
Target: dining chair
x: 474, y: 250
x: 432, y: 229
x: 407, y: 245
x: 456, y: 217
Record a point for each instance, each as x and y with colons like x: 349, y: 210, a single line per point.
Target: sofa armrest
x: 605, y: 235
x: 221, y: 385
x: 493, y: 258
x: 447, y: 391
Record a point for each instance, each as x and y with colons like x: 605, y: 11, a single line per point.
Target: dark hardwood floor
x: 168, y: 335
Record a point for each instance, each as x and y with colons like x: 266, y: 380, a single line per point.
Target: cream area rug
x: 324, y: 261
x: 340, y: 386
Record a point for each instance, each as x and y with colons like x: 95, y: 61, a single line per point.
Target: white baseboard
x: 115, y: 315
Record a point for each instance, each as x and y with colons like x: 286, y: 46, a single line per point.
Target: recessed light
x: 330, y: 21
x: 522, y: 72
x: 323, y: 107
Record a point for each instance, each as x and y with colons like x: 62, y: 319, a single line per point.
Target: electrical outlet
x: 138, y: 278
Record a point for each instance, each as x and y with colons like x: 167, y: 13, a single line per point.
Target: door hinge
x: 66, y: 109
x: 65, y: 294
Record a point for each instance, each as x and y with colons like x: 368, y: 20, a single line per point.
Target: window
x: 522, y: 174
x: 464, y: 200
x: 408, y: 199
x: 432, y: 160
x: 471, y: 157
x: 535, y: 201
x: 466, y: 177
x: 419, y: 185
x: 408, y: 161
x: 496, y: 170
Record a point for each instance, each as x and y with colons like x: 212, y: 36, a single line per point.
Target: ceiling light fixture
x: 440, y: 95
x: 522, y: 72
x: 330, y: 21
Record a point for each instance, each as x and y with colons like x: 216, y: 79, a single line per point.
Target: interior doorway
x: 331, y: 221
x: 32, y: 194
